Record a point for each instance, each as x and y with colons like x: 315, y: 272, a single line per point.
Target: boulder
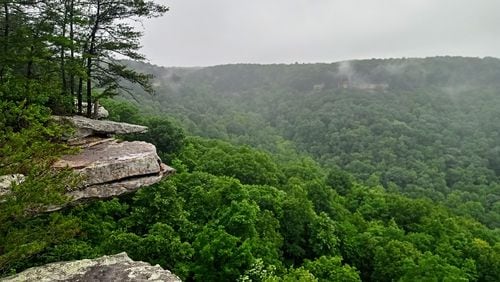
x: 91, y: 127
x: 117, y: 267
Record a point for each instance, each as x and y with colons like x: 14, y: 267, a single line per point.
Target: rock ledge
x: 109, y: 167
x: 112, y: 168
x: 92, y: 127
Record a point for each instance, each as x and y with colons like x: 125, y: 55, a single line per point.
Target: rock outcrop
x: 107, y: 268
x: 86, y: 127
x: 109, y: 167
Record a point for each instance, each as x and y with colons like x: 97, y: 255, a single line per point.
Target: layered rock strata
x: 109, y: 167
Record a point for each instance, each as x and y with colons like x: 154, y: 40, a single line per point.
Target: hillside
x: 424, y: 127
x: 234, y: 212
x: 374, y: 170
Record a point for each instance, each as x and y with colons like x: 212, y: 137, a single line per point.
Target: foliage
x: 205, y: 225
x: 426, y: 128
x: 263, y: 211
x: 29, y: 143
x: 62, y: 44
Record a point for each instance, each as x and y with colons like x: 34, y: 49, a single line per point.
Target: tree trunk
x: 80, y: 96
x: 91, y: 53
x: 62, y: 57
x: 6, y: 36
x: 89, y: 87
x: 72, y: 53
x: 29, y: 68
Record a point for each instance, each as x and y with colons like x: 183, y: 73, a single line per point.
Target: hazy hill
x: 426, y: 127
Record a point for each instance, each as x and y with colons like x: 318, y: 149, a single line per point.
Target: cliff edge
x: 109, y: 167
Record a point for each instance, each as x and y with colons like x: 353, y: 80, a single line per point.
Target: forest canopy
x: 374, y: 170
x: 423, y: 127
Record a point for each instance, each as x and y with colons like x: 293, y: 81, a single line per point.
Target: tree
x: 327, y: 268
x: 219, y: 256
x: 167, y: 137
x: 54, y: 42
x: 392, y: 259
x: 340, y: 181
x: 110, y: 33
x: 434, y: 268
x: 27, y: 71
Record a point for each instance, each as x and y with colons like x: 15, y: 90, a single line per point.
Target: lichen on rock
x: 117, y: 267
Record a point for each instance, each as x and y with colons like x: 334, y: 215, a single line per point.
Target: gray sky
x: 212, y: 32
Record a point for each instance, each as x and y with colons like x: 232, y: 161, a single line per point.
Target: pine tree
x: 110, y: 34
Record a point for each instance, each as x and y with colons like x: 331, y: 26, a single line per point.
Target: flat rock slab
x: 112, y: 161
x: 111, y: 168
x: 117, y: 267
x: 92, y: 127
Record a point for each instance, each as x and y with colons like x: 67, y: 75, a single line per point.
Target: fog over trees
x: 363, y: 170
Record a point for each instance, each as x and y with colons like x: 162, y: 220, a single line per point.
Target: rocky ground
x: 117, y: 267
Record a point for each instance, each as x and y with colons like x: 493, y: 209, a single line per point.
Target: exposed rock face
x: 107, y: 268
x: 91, y: 127
x: 112, y: 160
x: 7, y: 180
x: 111, y: 168
x: 109, y: 190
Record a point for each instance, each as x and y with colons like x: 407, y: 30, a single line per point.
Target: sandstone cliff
x: 110, y: 167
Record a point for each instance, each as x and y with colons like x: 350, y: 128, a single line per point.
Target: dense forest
x: 374, y: 170
x: 423, y: 127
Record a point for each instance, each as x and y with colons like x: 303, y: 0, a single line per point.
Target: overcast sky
x: 213, y: 32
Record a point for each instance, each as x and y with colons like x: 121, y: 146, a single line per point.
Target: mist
x: 203, y: 33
